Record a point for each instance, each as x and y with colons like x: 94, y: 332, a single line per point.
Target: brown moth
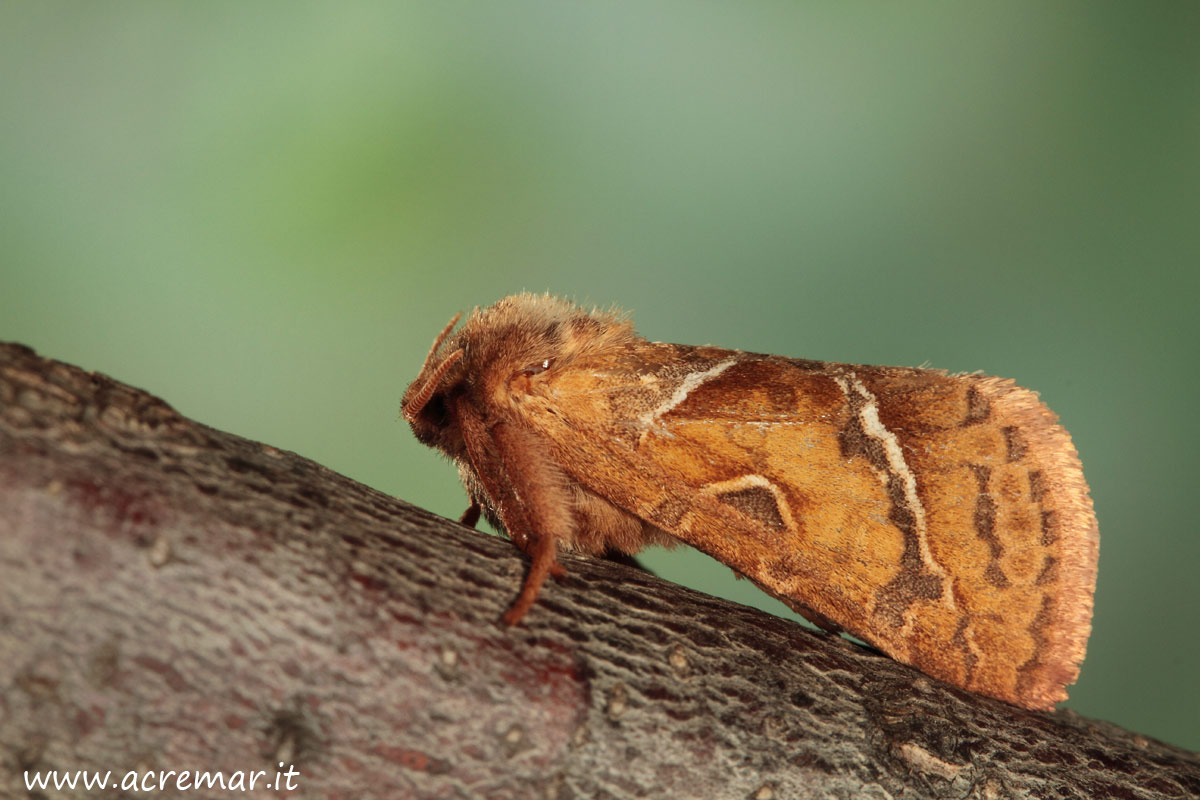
x: 942, y: 518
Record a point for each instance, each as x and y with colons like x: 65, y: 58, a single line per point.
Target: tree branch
x: 177, y: 598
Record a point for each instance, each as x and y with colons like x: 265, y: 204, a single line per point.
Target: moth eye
x: 435, y: 411
x: 534, y: 369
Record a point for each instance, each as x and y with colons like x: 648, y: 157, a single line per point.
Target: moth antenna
x: 413, y: 405
x: 441, y: 337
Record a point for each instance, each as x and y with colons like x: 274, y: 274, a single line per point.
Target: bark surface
x: 177, y: 598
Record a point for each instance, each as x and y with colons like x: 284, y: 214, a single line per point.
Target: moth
x: 942, y: 518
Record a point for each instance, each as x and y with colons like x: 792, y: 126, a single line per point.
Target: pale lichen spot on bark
x: 160, y: 552
x: 679, y: 662
x: 618, y: 702
x: 926, y: 762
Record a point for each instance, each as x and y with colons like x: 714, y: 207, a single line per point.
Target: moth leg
x: 470, y: 516
x: 540, y: 486
x: 531, y: 546
x: 543, y: 564
x: 527, y: 493
x: 489, y: 471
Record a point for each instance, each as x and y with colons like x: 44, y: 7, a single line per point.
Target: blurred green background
x: 264, y: 212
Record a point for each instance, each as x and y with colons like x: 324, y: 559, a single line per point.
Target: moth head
x: 499, y: 357
x: 524, y: 335
x: 426, y: 402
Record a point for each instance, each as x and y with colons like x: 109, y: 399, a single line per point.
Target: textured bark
x: 173, y: 597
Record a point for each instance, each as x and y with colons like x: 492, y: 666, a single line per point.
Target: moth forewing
x: 942, y: 518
